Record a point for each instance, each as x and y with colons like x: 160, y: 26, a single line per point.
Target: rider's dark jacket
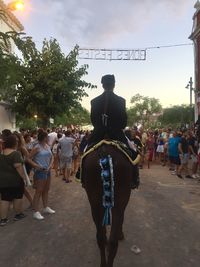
x: 115, y: 109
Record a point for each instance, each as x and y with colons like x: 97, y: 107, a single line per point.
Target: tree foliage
x: 76, y: 116
x: 10, y: 65
x: 177, y: 115
x: 27, y: 123
x: 143, y: 107
x: 47, y: 82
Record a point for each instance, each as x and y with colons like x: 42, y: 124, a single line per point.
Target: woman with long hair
x: 42, y: 156
x: 25, y: 155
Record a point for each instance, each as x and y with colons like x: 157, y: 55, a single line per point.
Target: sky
x: 122, y: 24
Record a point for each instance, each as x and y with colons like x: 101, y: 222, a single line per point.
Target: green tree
x: 49, y: 84
x: 10, y: 65
x: 142, y: 109
x: 27, y: 123
x: 76, y: 116
x: 177, y: 115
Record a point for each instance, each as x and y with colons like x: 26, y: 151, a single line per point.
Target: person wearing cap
x: 108, y: 114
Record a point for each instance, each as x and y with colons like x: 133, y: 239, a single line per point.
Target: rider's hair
x: 108, y: 82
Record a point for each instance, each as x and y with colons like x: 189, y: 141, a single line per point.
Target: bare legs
x: 194, y: 168
x: 45, y: 193
x: 42, y: 189
x: 55, y: 164
x: 75, y: 165
x: 28, y: 196
x: 184, y: 167
x: 4, y: 206
x: 4, y: 209
x: 17, y: 203
x: 67, y: 174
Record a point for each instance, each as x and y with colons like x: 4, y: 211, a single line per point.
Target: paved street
x: 162, y: 219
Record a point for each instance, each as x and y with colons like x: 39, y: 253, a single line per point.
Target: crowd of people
x: 28, y: 157
x: 177, y: 149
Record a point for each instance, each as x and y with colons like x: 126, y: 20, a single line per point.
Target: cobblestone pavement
x: 162, y: 219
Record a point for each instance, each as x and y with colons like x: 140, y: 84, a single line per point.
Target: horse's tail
x: 107, y: 176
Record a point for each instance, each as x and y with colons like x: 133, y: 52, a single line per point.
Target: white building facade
x: 195, y: 37
x: 8, y: 22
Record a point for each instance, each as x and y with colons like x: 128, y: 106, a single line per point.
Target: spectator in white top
x: 66, y: 145
x: 52, y: 137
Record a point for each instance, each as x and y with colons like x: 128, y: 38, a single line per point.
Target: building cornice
x: 9, y: 16
x: 197, y: 5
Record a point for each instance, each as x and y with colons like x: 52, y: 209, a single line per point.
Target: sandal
x: 3, y: 222
x: 68, y: 181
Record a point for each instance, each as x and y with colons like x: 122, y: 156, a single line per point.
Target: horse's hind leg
x: 101, y: 240
x: 121, y: 233
x: 116, y: 229
x: 97, y: 215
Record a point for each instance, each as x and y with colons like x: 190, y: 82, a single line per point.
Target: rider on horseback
x: 108, y: 113
x: 109, y: 118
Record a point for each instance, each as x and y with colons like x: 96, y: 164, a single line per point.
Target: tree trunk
x: 45, y: 122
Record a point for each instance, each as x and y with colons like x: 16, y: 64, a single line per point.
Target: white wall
x: 6, y: 28
x: 7, y: 118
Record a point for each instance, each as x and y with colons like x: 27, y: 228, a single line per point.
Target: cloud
x: 94, y: 21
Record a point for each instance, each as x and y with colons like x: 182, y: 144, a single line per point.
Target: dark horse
x: 91, y: 178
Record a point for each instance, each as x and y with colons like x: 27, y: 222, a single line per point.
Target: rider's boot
x: 136, y: 176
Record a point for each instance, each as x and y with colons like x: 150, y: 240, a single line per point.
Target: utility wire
x: 167, y: 46
x: 127, y: 49
x: 144, y: 48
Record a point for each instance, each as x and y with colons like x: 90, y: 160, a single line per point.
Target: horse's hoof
x: 103, y: 265
x: 121, y: 236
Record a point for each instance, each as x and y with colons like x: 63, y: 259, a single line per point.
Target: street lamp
x: 36, y: 119
x: 190, y: 87
x: 16, y: 5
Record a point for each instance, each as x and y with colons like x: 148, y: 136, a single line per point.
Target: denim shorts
x: 41, y: 175
x: 194, y: 159
x: 175, y: 160
x: 184, y: 158
x: 65, y: 162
